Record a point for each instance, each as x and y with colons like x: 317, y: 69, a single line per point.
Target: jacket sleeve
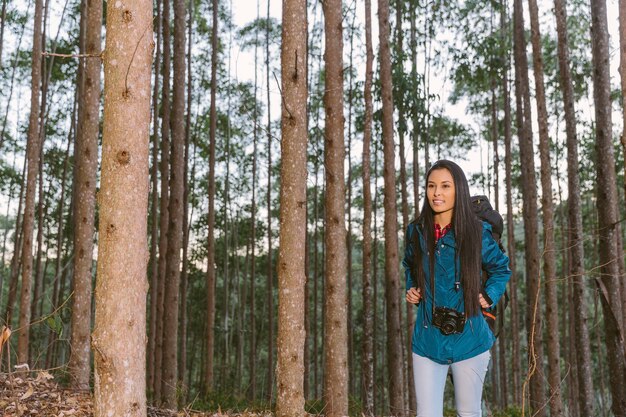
x: 496, y: 265
x: 409, y: 258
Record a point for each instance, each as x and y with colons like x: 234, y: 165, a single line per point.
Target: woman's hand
x: 414, y: 295
x: 483, y: 302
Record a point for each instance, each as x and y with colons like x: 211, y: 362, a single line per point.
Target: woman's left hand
x: 483, y: 302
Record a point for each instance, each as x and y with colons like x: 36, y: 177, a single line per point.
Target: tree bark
x: 392, y: 284
x: 549, y: 252
x: 335, y: 294
x: 575, y: 223
x: 291, y: 272
x: 33, y: 154
x: 210, y: 276
x: 367, y: 362
x: 270, y: 263
x: 529, y: 211
x: 608, y: 213
x: 86, y: 161
x: 121, y: 286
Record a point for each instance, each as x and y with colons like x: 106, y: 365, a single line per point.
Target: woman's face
x: 441, y: 191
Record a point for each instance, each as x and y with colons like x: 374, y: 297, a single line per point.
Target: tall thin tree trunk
x: 210, y: 276
x: 291, y: 272
x: 182, y: 351
x: 608, y: 213
x: 164, y: 203
x: 176, y: 213
x: 335, y: 295
x: 367, y: 358
x: 549, y: 253
x: 392, y: 278
x: 121, y: 287
x: 575, y: 223
x: 33, y: 153
x: 3, y: 18
x: 86, y: 161
x: 529, y: 192
x: 270, y: 263
x: 154, y: 233
x: 510, y: 225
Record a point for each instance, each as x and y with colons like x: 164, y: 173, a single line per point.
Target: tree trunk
x: 291, y: 273
x: 335, y: 294
x: 367, y: 358
x: 575, y: 223
x: 86, y: 161
x: 510, y: 227
x: 154, y: 233
x: 608, y: 213
x: 410, y: 310
x: 529, y: 192
x: 622, y: 40
x: 176, y: 212
x: 33, y: 153
x: 392, y: 284
x: 270, y: 263
x: 210, y: 276
x: 549, y: 257
x: 121, y: 287
x: 188, y: 184
x: 164, y: 203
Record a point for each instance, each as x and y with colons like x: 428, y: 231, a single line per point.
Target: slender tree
x: 154, y: 229
x: 32, y: 154
x: 547, y: 208
x: 291, y: 253
x: 529, y: 212
x: 610, y: 248
x: 367, y: 357
x: 121, y: 287
x: 176, y: 213
x: 392, y: 278
x: 210, y: 275
x: 164, y: 201
x: 335, y: 295
x: 575, y: 223
x: 84, y: 214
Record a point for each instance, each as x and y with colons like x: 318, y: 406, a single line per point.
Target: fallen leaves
x: 40, y: 396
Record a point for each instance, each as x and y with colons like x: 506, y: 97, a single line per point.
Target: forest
x: 204, y: 204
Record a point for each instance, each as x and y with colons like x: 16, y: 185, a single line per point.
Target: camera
x: 448, y: 320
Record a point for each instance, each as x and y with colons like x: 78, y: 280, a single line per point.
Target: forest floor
x: 38, y: 394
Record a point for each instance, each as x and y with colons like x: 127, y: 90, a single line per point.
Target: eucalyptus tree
x: 529, y: 191
x: 335, y: 294
x: 210, y: 275
x: 549, y: 256
x: 121, y: 288
x: 576, y: 270
x: 176, y: 212
x: 392, y: 279
x: 367, y: 356
x: 291, y: 272
x: 33, y: 155
x: 86, y: 158
x: 164, y: 169
x: 610, y: 247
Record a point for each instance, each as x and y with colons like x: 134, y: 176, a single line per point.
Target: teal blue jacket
x: 477, y: 337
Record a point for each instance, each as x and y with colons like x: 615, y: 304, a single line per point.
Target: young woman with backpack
x: 447, y: 249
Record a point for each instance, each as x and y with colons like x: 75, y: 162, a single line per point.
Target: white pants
x: 430, y: 381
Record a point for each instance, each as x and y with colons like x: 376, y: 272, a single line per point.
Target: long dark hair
x: 467, y: 232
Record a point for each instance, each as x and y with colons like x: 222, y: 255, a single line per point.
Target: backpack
x: 484, y: 211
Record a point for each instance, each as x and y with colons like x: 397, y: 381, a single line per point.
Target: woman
x: 448, y: 242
